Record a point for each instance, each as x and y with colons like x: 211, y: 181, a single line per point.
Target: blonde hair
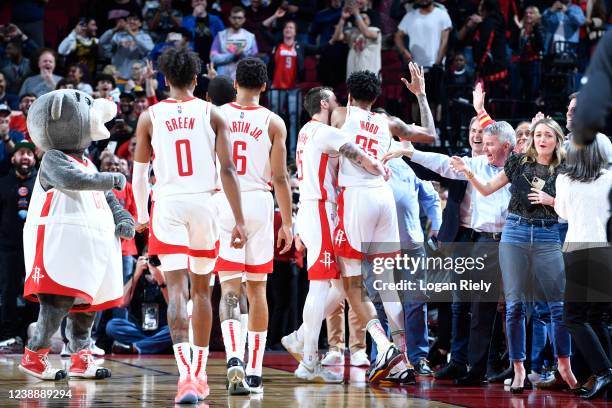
x: 531, y: 154
x: 537, y: 16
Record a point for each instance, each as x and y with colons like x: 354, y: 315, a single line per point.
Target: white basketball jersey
x: 370, y: 131
x: 184, y: 158
x: 250, y: 144
x: 317, y: 160
x: 85, y: 208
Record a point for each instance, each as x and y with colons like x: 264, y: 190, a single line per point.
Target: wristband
x: 358, y: 17
x: 469, y: 174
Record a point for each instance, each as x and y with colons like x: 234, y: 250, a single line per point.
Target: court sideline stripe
x: 139, y: 366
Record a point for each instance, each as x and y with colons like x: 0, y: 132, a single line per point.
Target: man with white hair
x: 488, y: 218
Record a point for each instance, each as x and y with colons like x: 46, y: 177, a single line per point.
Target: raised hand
x: 538, y: 117
x: 478, y: 96
x: 210, y: 71
x: 459, y: 165
x: 417, y: 80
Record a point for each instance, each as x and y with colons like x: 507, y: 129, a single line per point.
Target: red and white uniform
x: 61, y: 223
x: 317, y: 172
x: 251, y: 146
x: 184, y: 162
x: 366, y: 208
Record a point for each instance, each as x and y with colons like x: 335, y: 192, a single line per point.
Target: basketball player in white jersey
x: 367, y: 219
x: 187, y: 136
x: 258, y: 146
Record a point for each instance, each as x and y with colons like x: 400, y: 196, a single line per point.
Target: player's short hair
x: 251, y: 73
x: 179, y: 66
x: 221, y: 90
x: 313, y: 98
x: 363, y: 86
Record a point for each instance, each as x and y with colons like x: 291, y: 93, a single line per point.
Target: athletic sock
x: 300, y: 333
x: 231, y: 338
x: 378, y: 335
x: 244, y: 328
x: 199, y: 360
x: 182, y: 354
x: 257, y: 345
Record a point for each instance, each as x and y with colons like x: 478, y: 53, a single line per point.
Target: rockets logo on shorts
x: 340, y: 238
x: 37, y: 276
x: 327, y: 260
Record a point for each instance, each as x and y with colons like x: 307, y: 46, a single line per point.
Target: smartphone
x: 112, y: 146
x: 537, y: 183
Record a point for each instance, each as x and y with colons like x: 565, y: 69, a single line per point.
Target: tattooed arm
x: 417, y: 87
x: 360, y: 158
x: 411, y: 133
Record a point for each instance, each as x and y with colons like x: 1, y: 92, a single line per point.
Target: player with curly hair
x: 188, y: 136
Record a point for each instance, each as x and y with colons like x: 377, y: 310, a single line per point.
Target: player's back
x: 370, y: 131
x: 250, y: 144
x: 317, y: 161
x: 183, y: 147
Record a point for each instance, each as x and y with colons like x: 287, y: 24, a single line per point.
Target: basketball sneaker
x: 236, y: 384
x: 255, y: 383
x: 316, y: 373
x: 202, y: 387
x: 83, y: 366
x: 293, y: 345
x: 187, y: 392
x: 333, y: 358
x: 36, y: 363
x: 360, y: 359
x: 384, y: 363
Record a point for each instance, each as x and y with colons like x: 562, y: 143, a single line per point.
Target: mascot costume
x: 71, y: 236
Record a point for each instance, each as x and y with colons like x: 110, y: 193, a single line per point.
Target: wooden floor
x: 150, y: 381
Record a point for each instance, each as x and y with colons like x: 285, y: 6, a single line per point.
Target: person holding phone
x: 530, y: 251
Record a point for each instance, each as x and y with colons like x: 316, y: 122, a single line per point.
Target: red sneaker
x: 84, y: 366
x: 36, y: 363
x: 187, y: 392
x: 202, y: 387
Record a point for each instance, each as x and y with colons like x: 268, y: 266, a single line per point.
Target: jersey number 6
x: 239, y: 160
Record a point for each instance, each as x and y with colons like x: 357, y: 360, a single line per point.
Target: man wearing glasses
x: 232, y: 44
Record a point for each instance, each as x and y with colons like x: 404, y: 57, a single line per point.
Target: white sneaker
x: 508, y: 381
x: 95, y: 350
x: 316, y: 373
x: 534, y: 377
x: 334, y: 358
x: 293, y: 346
x: 360, y: 359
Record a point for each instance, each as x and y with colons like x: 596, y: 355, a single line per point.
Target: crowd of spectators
x: 527, y: 54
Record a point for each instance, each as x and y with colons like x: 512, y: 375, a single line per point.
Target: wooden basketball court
x: 150, y: 381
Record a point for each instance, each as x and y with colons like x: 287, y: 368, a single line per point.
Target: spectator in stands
x: 8, y: 138
x: 323, y: 23
x: 15, y: 192
x: 81, y: 45
x: 11, y: 33
x: 522, y: 131
x: 286, y: 67
x: 427, y: 28
x: 527, y: 45
x: 16, y: 67
x: 75, y: 73
x: 256, y: 13
x: 364, y: 42
x: 178, y: 38
x: 6, y: 98
x: 108, y: 11
x: 126, y: 44
x: 46, y: 80
x: 561, y: 22
x: 110, y: 163
x: 106, y: 88
x: 66, y: 83
x: 203, y: 27
x: 19, y: 121
x: 145, y: 329
x: 302, y: 12
x: 163, y: 19
x: 29, y: 14
x: 459, y: 84
x: 486, y: 32
x: 232, y: 44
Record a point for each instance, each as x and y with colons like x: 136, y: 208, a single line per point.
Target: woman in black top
x: 530, y: 251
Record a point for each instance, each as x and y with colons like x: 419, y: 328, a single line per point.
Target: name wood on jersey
x: 245, y: 127
x: 369, y: 127
x: 180, y: 123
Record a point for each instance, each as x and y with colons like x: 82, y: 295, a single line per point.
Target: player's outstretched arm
x: 417, y: 87
x: 227, y: 172
x: 280, y: 179
x: 140, y: 173
x: 412, y: 133
x: 360, y: 158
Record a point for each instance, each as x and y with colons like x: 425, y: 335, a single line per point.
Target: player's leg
x: 243, y: 305
x: 78, y: 332
x: 258, y: 329
x: 53, y: 308
x: 201, y: 322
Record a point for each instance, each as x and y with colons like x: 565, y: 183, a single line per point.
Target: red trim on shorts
x: 223, y: 265
x: 235, y: 105
x: 342, y: 246
x: 325, y: 267
x: 157, y: 247
x: 178, y: 101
